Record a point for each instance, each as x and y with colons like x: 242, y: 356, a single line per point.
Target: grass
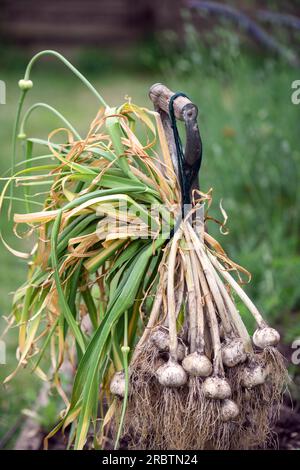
x: 251, y: 158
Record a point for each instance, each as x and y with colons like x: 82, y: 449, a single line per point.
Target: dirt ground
x: 286, y: 432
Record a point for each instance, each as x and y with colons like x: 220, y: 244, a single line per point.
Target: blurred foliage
x: 46, y: 414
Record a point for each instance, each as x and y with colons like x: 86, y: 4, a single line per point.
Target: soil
x: 286, y: 432
x: 288, y: 429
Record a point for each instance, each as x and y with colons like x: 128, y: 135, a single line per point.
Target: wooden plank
x: 32, y: 7
x: 26, y: 29
x: 76, y: 21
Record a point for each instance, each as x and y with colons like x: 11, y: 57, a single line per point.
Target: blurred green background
x: 250, y: 132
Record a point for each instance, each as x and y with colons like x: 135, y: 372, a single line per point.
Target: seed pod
x: 229, y: 410
x: 253, y: 376
x: 197, y: 365
x: 160, y: 339
x: 216, y: 387
x: 25, y: 84
x: 117, y: 384
x: 171, y: 374
x: 233, y: 353
x: 265, y: 337
x: 21, y: 136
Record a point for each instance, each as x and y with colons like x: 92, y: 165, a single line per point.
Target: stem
x: 242, y: 295
x: 213, y: 325
x: 171, y: 296
x: 200, y: 341
x: 216, y: 294
x: 206, y: 266
x: 14, y: 142
x: 180, y: 291
x: 235, y: 316
x: 125, y: 351
x: 23, y: 94
x: 51, y: 109
x: 192, y: 305
x: 69, y: 65
x: 152, y: 318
